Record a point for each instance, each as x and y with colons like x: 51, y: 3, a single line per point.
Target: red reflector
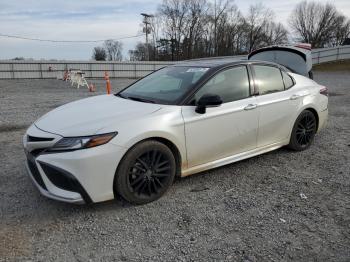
x: 324, y: 91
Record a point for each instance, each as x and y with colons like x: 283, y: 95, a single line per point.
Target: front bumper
x: 82, y: 176
x: 45, y: 192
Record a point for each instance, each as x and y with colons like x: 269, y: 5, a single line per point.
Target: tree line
x: 187, y: 29
x: 111, y: 51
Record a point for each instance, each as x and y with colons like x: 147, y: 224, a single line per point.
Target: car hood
x: 87, y: 116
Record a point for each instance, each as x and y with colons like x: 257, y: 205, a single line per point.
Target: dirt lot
x: 247, y: 211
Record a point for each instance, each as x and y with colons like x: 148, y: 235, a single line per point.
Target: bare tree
x: 114, y: 50
x: 219, y: 17
x: 257, y: 20
x: 142, y: 52
x: 314, y: 22
x: 193, y: 25
x: 186, y: 29
x: 173, y: 13
x: 229, y: 27
x: 342, y: 31
x: 275, y: 34
x: 99, y: 54
x: 155, y: 27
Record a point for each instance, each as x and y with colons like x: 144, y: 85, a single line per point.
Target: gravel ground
x: 248, y: 211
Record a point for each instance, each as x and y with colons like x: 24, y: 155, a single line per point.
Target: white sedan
x: 177, y: 121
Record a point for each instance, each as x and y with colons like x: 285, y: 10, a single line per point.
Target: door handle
x: 295, y: 97
x: 251, y: 107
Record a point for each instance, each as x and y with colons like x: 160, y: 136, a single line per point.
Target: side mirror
x: 207, y: 100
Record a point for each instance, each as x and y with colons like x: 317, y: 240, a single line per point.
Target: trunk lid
x: 296, y: 58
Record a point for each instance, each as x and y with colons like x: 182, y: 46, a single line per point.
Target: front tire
x: 304, y: 131
x: 145, y: 173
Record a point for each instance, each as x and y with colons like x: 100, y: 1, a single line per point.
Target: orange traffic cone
x: 108, y: 83
x: 65, y: 76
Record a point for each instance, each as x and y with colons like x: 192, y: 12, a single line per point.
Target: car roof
x: 219, y: 62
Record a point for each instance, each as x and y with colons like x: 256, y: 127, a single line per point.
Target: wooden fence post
x: 337, y: 58
x: 90, y: 69
x: 135, y: 73
x: 41, y: 70
x: 12, y: 70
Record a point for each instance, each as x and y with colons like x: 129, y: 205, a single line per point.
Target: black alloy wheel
x: 146, y: 172
x: 304, y: 131
x: 150, y: 173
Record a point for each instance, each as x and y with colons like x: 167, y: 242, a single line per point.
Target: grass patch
x: 342, y: 65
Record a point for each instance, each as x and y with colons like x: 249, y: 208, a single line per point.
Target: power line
x: 66, y: 41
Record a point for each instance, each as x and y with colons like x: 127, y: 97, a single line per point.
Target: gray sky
x: 91, y: 20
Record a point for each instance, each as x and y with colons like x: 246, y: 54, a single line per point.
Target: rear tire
x: 145, y: 173
x: 304, y: 131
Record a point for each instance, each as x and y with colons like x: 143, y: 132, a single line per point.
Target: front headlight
x: 76, y: 143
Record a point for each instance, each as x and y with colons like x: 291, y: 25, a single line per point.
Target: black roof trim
x: 218, y: 64
x: 210, y: 62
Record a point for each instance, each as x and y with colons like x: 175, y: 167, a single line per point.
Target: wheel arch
x: 174, y: 149
x: 178, y: 150
x: 306, y: 108
x: 314, y: 111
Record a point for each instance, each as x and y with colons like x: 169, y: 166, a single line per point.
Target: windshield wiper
x: 140, y: 99
x: 120, y: 95
x: 135, y: 98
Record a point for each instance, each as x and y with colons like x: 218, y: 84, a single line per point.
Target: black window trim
x: 293, y: 80
x: 212, y: 72
x: 189, y: 97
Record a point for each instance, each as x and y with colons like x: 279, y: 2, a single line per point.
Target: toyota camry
x: 180, y: 120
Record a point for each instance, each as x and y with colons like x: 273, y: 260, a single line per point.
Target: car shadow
x: 197, y: 182
x: 240, y: 164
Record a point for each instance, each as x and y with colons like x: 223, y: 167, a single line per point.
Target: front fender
x: 166, y: 125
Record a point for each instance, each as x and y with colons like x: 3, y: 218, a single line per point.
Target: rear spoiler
x: 275, y: 48
x: 297, y: 58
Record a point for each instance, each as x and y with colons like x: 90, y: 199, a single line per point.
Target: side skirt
x: 232, y: 159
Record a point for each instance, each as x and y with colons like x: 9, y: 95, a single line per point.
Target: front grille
x: 35, y: 173
x: 39, y: 139
x: 37, y: 152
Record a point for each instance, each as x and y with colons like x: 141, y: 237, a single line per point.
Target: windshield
x: 164, y: 86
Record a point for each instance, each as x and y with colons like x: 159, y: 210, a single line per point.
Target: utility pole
x: 215, y: 31
x: 147, y: 31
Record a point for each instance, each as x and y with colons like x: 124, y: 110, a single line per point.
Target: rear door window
x: 269, y: 79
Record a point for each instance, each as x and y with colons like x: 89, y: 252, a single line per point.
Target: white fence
x: 325, y: 55
x: 48, y: 69
x: 45, y: 69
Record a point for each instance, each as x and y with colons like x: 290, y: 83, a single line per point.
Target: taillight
x: 304, y: 46
x: 324, y: 91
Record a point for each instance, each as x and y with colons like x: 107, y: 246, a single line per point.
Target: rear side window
x: 288, y: 81
x: 231, y: 85
x: 269, y: 79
